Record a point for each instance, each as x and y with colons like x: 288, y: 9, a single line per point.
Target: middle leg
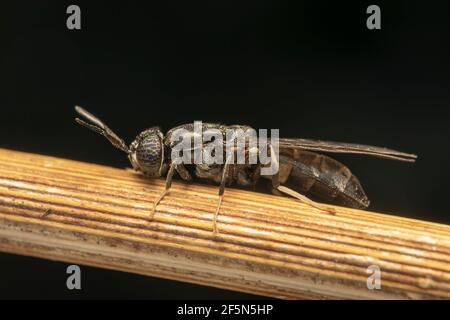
x: 221, y: 192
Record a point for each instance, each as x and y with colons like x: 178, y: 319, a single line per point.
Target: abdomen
x: 323, y: 177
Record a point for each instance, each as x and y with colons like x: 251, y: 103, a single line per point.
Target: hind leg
x: 278, y: 189
x: 304, y: 199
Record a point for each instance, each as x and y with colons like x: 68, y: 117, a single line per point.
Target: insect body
x: 301, y: 169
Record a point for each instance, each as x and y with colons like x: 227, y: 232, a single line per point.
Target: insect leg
x: 169, y: 177
x: 183, y: 172
x: 276, y: 185
x: 221, y: 192
x: 305, y: 199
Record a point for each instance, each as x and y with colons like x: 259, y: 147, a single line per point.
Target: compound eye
x: 148, y: 153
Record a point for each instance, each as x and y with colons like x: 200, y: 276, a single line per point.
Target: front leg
x: 183, y: 172
x: 172, y: 168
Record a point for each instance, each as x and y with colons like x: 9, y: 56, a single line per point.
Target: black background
x: 310, y: 68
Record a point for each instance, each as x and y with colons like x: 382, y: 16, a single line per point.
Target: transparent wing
x: 342, y: 147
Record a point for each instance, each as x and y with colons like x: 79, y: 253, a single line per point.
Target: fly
x: 302, y: 168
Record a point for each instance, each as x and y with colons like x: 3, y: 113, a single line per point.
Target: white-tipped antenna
x: 98, y: 126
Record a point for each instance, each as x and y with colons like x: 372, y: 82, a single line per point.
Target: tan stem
x: 269, y: 245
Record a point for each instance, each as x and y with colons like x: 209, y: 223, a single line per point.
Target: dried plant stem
x: 269, y: 245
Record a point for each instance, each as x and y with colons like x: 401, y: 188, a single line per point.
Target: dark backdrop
x: 310, y: 68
